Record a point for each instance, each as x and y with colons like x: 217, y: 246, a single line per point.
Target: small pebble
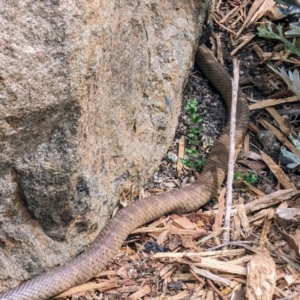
x: 153, y: 247
x: 174, y: 285
x: 269, y: 143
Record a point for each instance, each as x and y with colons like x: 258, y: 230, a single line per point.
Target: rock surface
x: 90, y: 93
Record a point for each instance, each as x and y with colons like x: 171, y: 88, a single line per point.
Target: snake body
x: 112, y: 236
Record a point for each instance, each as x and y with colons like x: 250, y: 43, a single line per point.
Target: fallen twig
x: 235, y: 89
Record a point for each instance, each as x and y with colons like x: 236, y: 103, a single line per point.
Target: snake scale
x: 112, y: 236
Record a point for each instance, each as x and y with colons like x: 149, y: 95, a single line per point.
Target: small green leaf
x: 238, y: 175
x: 266, y: 31
x: 292, y: 79
x: 187, y: 162
x: 250, y: 177
x: 196, y: 118
x: 194, y: 102
x: 192, y: 152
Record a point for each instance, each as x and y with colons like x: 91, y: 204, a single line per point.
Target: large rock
x: 90, y: 92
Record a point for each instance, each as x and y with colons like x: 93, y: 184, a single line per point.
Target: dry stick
x: 216, y: 290
x: 235, y: 88
x: 197, y: 277
x: 220, y: 213
x: 209, y: 275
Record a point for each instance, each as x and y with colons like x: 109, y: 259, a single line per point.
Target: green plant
x: 292, y: 159
x: 195, y: 128
x: 192, y: 163
x: 193, y: 137
x: 192, y: 107
x: 250, y: 177
x: 291, y: 79
x: 266, y: 31
x: 286, y: 7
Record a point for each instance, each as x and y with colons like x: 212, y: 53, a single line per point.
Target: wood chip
x: 272, y: 102
x: 180, y: 155
x: 269, y: 200
x: 253, y: 189
x: 145, y: 290
x: 285, y: 127
x: 290, y: 279
x: 290, y: 214
x: 259, y: 52
x: 282, y: 178
x: 102, y: 286
x: 246, y: 145
x: 222, y: 266
x: 261, y: 215
x: 266, y: 229
x: 220, y: 214
x: 261, y: 277
x: 219, y: 50
x: 281, y: 137
x: 252, y: 155
x: 294, y: 241
x: 258, y: 9
x: 245, y: 40
x: 241, y: 211
x: 184, y: 223
x: 211, y: 276
x: 217, y: 253
x: 240, y: 261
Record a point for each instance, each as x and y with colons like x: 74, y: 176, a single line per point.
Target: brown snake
x: 112, y: 236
